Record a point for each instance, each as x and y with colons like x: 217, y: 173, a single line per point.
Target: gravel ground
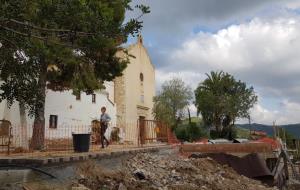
x: 165, y: 171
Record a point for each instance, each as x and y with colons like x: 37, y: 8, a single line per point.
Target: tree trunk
x: 190, y: 119
x: 218, y: 124
x: 38, y: 134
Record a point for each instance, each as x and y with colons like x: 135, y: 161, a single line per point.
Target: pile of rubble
x: 160, y: 172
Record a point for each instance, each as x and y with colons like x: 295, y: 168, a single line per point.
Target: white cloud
x: 293, y: 5
x: 259, y: 114
x: 288, y: 113
x: 190, y: 78
x: 246, y: 46
x: 263, y: 53
x: 260, y: 48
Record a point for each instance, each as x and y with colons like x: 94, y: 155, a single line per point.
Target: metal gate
x: 151, y: 131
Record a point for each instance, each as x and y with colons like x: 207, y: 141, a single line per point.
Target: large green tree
x: 171, y: 101
x: 60, y: 45
x: 221, y: 99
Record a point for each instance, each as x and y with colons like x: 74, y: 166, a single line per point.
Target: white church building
x: 64, y: 108
x: 125, y: 103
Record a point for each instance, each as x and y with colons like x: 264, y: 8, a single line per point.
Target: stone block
x: 104, y: 155
x: 5, y: 161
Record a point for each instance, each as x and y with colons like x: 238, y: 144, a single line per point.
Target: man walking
x: 104, y: 119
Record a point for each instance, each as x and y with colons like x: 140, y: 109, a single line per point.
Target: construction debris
x: 164, y: 172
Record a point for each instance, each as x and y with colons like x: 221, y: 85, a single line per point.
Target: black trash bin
x: 81, y: 142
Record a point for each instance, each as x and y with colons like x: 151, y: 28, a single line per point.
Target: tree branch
x: 9, y: 41
x: 21, y: 33
x: 49, y: 29
x: 37, y: 37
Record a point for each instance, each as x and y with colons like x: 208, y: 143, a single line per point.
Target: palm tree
x: 210, y: 105
x: 220, y: 99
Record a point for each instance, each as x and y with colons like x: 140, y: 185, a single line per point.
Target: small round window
x: 141, y: 77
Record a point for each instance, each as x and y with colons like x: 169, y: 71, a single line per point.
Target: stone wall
x: 120, y: 94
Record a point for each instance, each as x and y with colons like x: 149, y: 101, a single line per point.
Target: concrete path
x: 54, y: 158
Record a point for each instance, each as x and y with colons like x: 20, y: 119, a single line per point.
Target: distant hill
x: 293, y: 129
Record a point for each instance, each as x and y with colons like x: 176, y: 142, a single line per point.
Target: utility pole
x: 250, y: 126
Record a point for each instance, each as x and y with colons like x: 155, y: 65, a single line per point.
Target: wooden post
x: 297, y: 148
x: 274, y: 130
x: 286, y: 169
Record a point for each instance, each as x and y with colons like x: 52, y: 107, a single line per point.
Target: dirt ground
x: 165, y: 172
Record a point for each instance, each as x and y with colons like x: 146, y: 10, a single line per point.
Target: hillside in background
x: 243, y: 129
x: 293, y: 129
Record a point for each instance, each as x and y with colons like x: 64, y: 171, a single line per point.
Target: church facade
x: 134, y: 91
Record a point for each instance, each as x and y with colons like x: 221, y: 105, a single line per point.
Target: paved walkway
x: 59, y: 157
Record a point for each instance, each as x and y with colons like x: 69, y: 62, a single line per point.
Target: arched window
x: 141, y: 77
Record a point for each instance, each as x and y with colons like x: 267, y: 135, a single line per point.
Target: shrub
x: 194, y: 132
x: 190, y: 132
x: 181, y: 133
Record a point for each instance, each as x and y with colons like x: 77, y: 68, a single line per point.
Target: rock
x: 139, y: 174
x: 122, y: 187
x: 164, y: 172
x: 82, y: 176
x: 80, y: 187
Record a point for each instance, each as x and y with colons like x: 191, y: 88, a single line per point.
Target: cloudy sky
x: 257, y: 41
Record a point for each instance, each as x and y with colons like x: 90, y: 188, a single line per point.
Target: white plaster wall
x: 69, y: 110
x: 20, y: 133
x: 12, y: 114
x: 73, y: 115
x: 76, y: 112
x: 2, y: 108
